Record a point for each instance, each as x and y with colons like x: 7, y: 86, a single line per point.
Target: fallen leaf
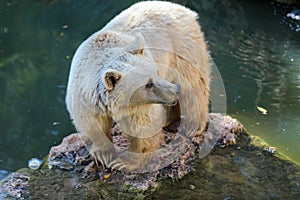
x: 262, y: 110
x: 105, y: 177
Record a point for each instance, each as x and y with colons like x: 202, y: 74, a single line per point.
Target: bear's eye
x: 149, y: 85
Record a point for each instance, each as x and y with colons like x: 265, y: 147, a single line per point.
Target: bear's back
x: 158, y: 14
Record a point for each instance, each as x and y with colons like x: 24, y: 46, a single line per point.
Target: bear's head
x: 139, y: 86
x: 133, y: 79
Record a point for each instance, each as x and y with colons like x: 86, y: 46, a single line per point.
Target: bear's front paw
x: 104, y: 153
x: 126, y: 163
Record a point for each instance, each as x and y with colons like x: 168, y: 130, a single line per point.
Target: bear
x: 150, y: 57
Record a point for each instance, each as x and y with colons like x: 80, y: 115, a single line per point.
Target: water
x: 254, y: 45
x: 259, y: 58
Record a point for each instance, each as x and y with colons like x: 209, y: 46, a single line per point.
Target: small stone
x: 77, y: 186
x: 192, y: 187
x: 271, y: 150
x: 34, y: 163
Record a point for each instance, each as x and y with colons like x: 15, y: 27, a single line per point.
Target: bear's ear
x: 136, y: 46
x: 111, y: 78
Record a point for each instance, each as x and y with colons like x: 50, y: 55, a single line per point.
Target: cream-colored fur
x: 114, y: 61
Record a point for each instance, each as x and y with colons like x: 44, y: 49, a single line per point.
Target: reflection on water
x: 251, y: 42
x: 3, y: 174
x: 260, y: 63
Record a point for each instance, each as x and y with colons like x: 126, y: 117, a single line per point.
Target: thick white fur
x: 172, y: 39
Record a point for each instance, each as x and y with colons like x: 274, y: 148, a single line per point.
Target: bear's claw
x: 103, y: 154
x: 121, y: 163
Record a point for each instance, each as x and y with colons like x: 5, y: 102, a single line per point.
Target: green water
x: 258, y: 54
x: 252, y: 43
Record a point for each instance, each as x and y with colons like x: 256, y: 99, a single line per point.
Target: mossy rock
x: 244, y: 170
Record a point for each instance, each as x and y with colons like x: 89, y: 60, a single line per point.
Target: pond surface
x: 255, y: 46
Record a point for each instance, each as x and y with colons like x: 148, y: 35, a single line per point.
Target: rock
x: 72, y: 153
x: 247, y: 174
x: 74, y: 175
x: 15, y: 187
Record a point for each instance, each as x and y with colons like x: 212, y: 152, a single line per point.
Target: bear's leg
x: 192, y: 111
x: 106, y: 123
x: 173, y: 118
x: 146, y: 145
x: 200, y: 108
x: 203, y: 122
x: 203, y: 103
x: 102, y: 148
x: 139, y: 154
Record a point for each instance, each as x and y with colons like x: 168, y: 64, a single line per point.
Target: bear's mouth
x: 173, y: 103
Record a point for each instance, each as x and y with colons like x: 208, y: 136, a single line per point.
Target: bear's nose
x: 177, y: 90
